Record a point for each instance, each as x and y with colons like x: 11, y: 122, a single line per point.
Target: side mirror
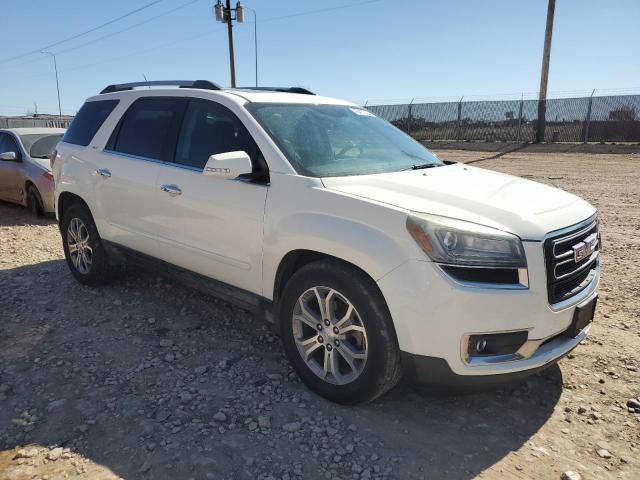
x: 9, y: 156
x: 228, y: 165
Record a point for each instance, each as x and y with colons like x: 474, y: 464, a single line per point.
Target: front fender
x: 361, y: 244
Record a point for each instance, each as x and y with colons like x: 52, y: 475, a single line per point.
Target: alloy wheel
x: 330, y: 335
x: 80, y: 251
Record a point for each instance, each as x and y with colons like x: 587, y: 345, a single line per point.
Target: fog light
x: 492, y: 344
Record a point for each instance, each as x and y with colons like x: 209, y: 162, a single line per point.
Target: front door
x: 205, y: 224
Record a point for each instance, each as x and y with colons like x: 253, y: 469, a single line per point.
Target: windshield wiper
x: 420, y: 166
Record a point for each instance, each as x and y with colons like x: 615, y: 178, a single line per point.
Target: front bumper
x: 434, y: 316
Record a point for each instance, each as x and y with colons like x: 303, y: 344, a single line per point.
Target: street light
x: 55, y: 66
x: 255, y: 35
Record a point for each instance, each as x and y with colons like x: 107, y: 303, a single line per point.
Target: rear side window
x: 150, y: 128
x: 88, y: 120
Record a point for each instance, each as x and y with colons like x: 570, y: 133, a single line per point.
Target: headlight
x: 455, y: 242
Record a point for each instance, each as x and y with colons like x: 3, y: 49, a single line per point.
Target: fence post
x: 520, y: 117
x: 459, y: 118
x: 409, y: 117
x: 588, y: 119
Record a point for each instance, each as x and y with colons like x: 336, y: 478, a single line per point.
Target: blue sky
x: 378, y: 51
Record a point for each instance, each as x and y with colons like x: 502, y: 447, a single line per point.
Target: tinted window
x: 210, y: 128
x: 8, y: 144
x: 40, y: 145
x: 150, y: 128
x: 88, y: 120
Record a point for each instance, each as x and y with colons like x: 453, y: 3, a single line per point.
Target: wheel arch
x: 65, y: 200
x: 294, y: 260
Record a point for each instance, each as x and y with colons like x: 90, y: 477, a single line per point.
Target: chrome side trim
x: 152, y: 160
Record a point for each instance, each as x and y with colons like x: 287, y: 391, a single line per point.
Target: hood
x: 525, y: 208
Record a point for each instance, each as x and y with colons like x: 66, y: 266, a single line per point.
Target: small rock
x: 144, y: 468
x: 220, y: 417
x: 633, y: 403
x: 570, y: 475
x: 291, y: 427
x: 166, y: 342
x: 264, y: 421
x: 200, y: 370
x: 169, y: 357
x: 603, y: 453
x: 54, y: 454
x: 186, y: 397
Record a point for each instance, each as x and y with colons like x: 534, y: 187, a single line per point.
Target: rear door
x: 128, y: 169
x: 11, y: 171
x: 205, y: 224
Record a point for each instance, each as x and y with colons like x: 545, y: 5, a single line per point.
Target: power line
x: 131, y: 27
x: 37, y: 50
x: 117, y: 32
x: 321, y: 10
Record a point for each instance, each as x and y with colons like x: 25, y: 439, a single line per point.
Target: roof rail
x: 204, y: 84
x: 300, y: 90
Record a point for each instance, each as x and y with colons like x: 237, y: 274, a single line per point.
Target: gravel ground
x: 147, y: 379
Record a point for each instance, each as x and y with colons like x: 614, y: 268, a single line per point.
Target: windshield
x: 338, y: 140
x: 40, y: 145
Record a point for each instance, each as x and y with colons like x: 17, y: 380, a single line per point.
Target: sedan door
x: 210, y: 225
x: 11, y: 171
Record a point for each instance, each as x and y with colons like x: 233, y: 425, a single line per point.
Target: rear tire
x: 34, y: 201
x: 83, y: 248
x: 354, y: 325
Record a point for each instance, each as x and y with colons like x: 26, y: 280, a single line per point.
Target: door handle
x: 172, y: 189
x: 104, y: 172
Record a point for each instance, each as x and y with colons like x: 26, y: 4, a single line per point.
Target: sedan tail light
x: 52, y: 158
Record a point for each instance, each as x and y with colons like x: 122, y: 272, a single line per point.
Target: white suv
x: 372, y: 256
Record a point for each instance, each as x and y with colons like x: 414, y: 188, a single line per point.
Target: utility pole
x: 55, y: 67
x: 224, y: 14
x: 232, y: 61
x: 544, y: 77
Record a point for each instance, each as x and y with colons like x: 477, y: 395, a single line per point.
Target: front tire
x: 34, y: 201
x: 83, y: 248
x: 338, y: 334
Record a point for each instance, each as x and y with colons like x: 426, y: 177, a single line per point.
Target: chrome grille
x: 571, y: 259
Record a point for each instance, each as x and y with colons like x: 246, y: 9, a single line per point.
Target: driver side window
x: 209, y: 128
x: 8, y: 144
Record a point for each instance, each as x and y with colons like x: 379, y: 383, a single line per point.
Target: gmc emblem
x: 585, y: 248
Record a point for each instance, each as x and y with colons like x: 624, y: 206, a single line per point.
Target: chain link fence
x: 585, y: 119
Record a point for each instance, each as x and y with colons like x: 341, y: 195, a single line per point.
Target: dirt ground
x: 144, y: 379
